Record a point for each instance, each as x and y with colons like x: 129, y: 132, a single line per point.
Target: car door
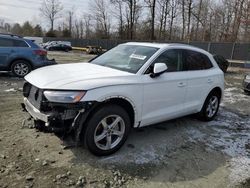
x: 199, y: 79
x: 164, y: 95
x: 6, y: 48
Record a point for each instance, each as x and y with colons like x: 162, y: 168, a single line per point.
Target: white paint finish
x: 168, y: 96
x: 132, y: 93
x: 164, y: 97
x: 200, y: 84
x: 80, y: 76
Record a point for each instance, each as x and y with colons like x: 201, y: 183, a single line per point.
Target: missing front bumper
x: 34, y: 112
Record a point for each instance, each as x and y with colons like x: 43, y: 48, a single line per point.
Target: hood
x: 78, y: 76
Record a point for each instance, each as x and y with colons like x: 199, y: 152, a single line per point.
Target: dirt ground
x: 182, y: 153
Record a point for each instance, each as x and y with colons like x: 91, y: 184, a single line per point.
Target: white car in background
x: 132, y: 85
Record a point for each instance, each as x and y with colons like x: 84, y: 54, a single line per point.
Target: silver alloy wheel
x: 109, y: 132
x: 21, y: 69
x: 212, y: 106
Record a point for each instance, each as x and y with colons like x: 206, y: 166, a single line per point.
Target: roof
x: 165, y: 45
x: 149, y: 44
x: 6, y: 35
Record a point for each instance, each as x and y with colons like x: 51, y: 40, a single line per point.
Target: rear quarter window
x: 20, y: 43
x: 196, y: 61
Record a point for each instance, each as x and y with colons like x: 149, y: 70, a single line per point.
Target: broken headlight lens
x: 64, y: 96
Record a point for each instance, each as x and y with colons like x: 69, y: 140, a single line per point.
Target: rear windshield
x: 32, y: 44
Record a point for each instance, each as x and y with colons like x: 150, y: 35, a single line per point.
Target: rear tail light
x: 40, y: 52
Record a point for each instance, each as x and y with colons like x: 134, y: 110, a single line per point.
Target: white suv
x: 131, y: 85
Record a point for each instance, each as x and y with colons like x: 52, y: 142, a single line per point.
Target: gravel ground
x: 179, y: 153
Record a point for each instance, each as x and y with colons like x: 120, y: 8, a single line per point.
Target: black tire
x: 247, y: 92
x: 94, y: 124
x: 21, y: 68
x: 203, y: 114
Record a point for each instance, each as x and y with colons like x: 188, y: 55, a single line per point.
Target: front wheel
x: 210, y: 107
x: 107, y: 130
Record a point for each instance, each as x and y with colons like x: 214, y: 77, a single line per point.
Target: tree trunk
x: 153, y: 20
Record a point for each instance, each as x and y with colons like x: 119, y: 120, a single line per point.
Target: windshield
x: 129, y: 58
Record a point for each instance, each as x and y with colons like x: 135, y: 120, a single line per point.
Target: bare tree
x: 163, y: 7
x: 246, y: 21
x: 173, y: 11
x: 238, y: 14
x: 87, y: 20
x: 132, y: 16
x: 70, y: 19
x: 189, y: 14
x: 102, y: 17
x: 118, y: 13
x: 152, y: 4
x: 183, y: 10
x: 50, y: 10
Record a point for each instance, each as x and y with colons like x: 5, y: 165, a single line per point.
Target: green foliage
x: 38, y: 32
x: 27, y: 29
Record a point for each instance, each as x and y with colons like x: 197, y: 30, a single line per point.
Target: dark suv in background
x: 20, y: 55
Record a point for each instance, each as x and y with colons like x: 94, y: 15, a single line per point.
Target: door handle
x: 181, y: 84
x: 209, y: 80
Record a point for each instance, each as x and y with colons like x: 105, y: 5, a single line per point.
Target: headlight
x: 64, y: 96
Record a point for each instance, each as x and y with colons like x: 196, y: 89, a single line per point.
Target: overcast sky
x: 22, y: 10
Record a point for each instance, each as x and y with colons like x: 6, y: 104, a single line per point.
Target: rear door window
x: 6, y: 42
x: 196, y: 61
x: 12, y: 43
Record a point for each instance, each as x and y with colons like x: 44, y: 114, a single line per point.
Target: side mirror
x: 159, y: 68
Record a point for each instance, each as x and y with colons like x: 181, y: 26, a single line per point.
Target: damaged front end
x: 57, y: 116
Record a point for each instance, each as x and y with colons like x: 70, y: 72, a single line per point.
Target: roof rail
x: 12, y: 35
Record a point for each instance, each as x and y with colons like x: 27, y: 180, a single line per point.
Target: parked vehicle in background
x: 246, y: 84
x: 94, y: 49
x: 51, y: 43
x: 20, y: 55
x: 59, y: 47
x: 131, y: 85
x: 65, y: 42
x: 222, y: 62
x: 45, y: 45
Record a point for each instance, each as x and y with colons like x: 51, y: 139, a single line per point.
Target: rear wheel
x: 107, y: 130
x: 20, y: 68
x: 210, y: 107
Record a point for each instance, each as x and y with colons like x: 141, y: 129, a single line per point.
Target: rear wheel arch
x: 19, y: 59
x: 216, y: 90
x: 214, y: 93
